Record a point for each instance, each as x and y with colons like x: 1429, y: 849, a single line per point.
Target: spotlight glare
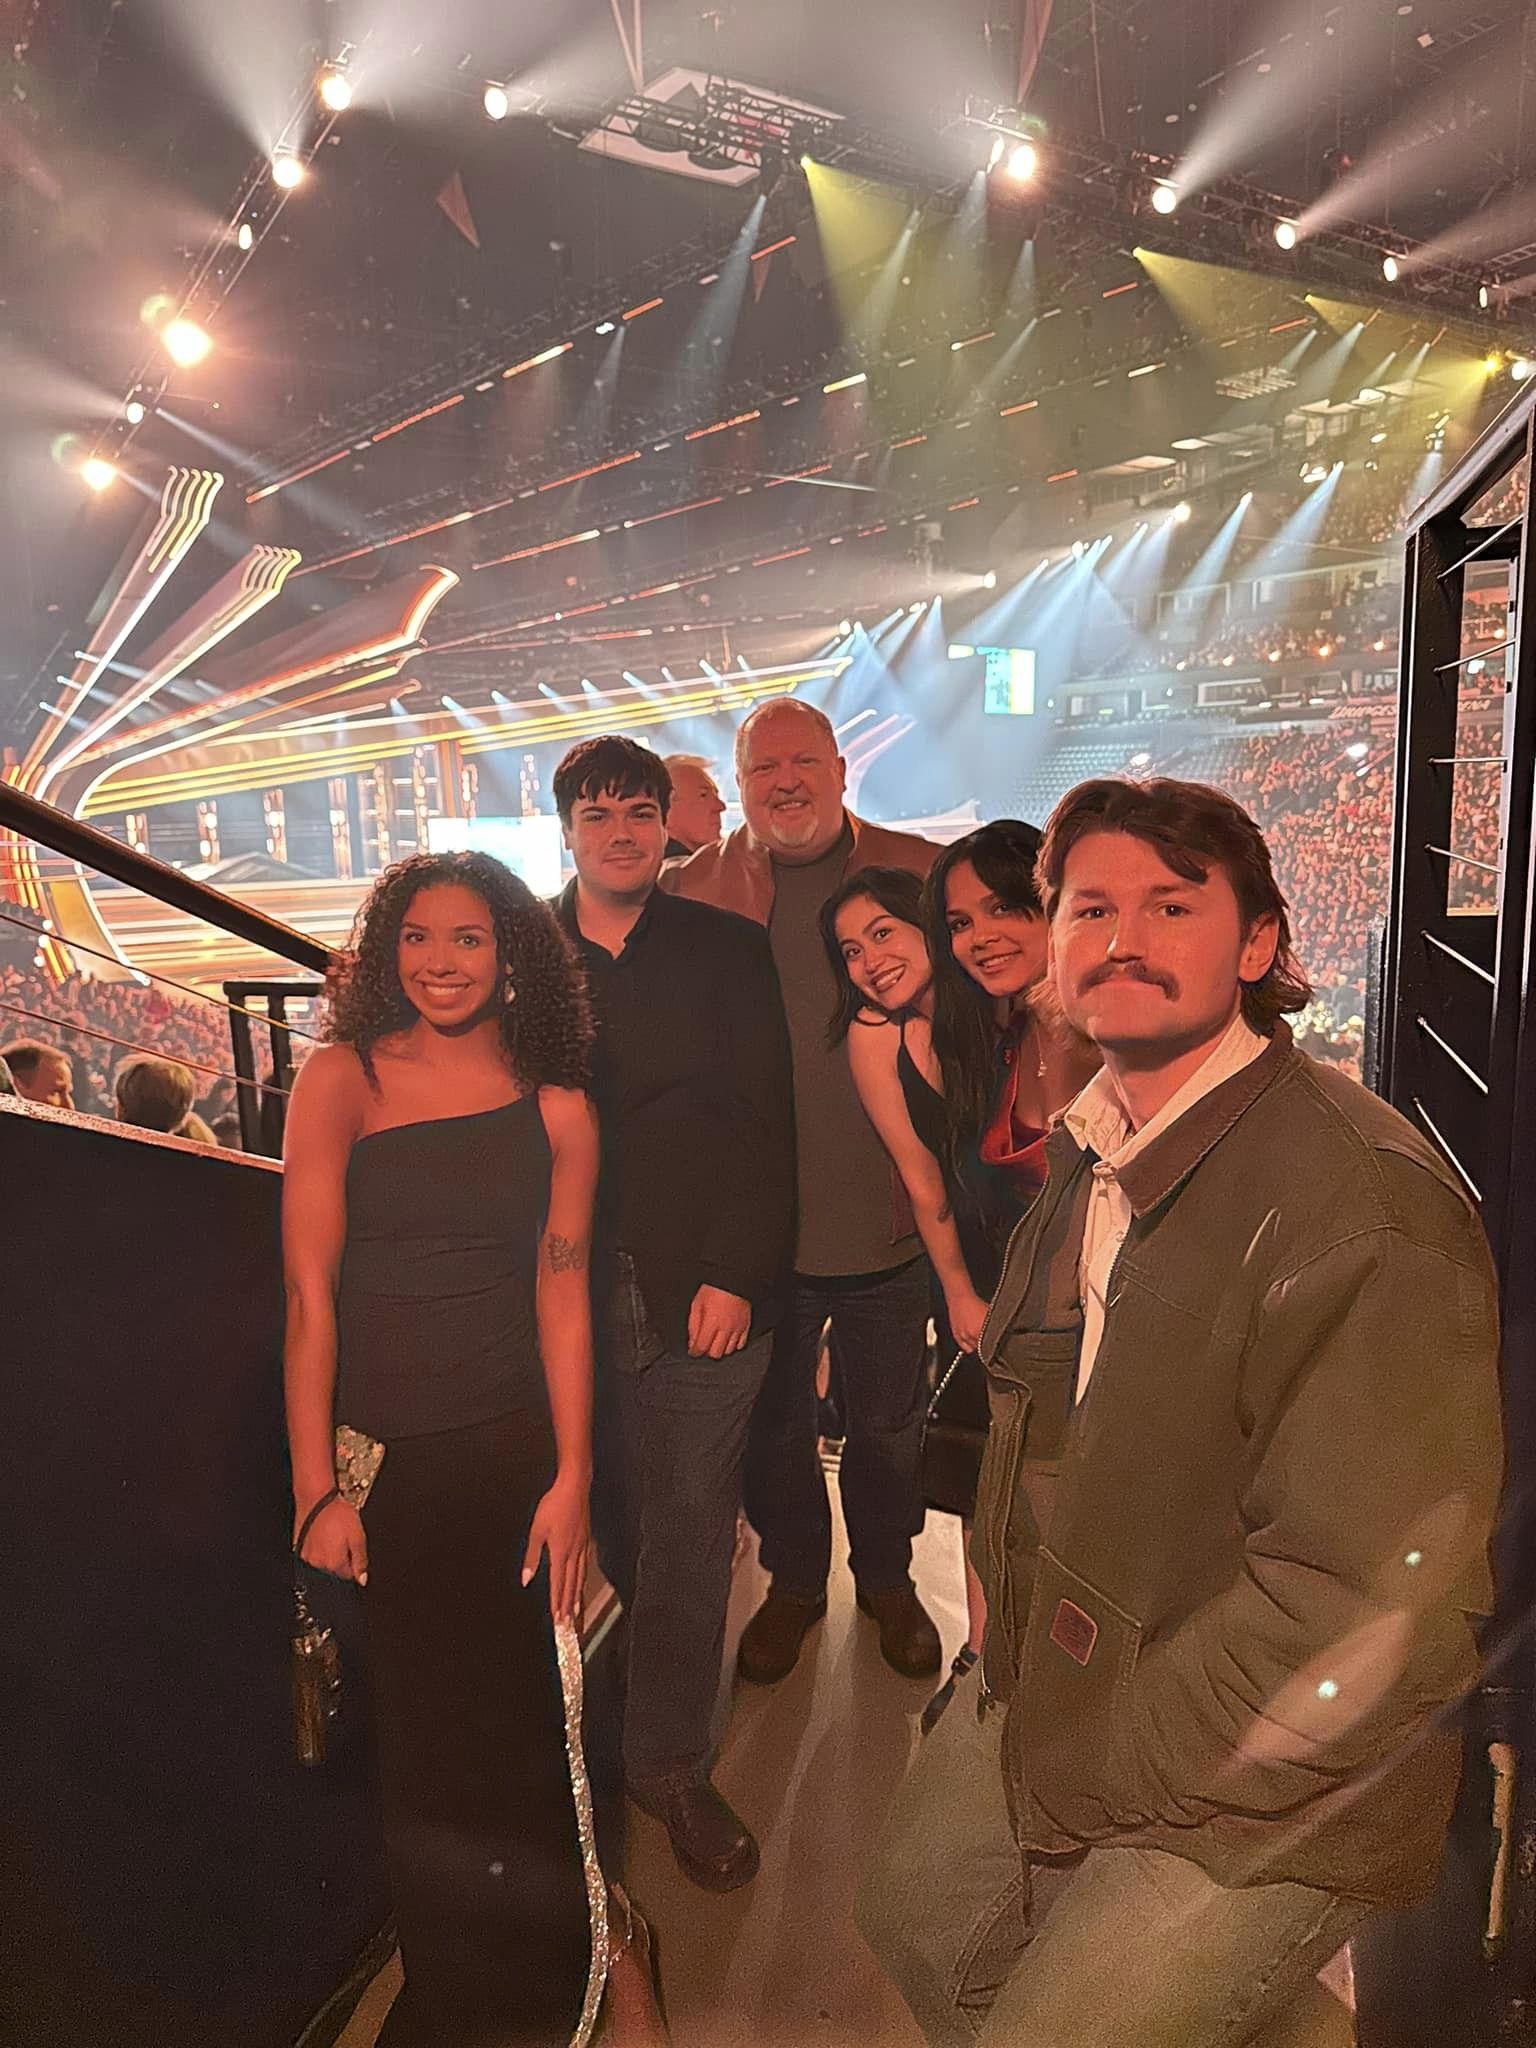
x: 1484, y: 298
x: 336, y: 90
x: 995, y: 155
x: 844, y: 627
x: 287, y: 170
x: 1164, y: 197
x: 185, y: 342
x: 1493, y: 362
x: 133, y: 413
x: 1391, y: 269
x: 496, y: 102
x: 1023, y: 163
x: 914, y: 609
x: 1286, y: 235
x: 605, y: 327
x: 1078, y: 551
x: 246, y: 237
x: 989, y: 581
x: 1521, y: 368
x: 96, y: 474
x: 1182, y: 513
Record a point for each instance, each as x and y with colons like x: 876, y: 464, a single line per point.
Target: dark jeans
x: 669, y: 1436
x: 880, y: 1323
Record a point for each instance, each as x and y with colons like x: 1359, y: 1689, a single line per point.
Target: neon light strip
x: 427, y: 413
x: 1146, y: 369
x: 545, y: 355
x: 911, y: 442
x: 635, y: 311
x: 675, y: 512
x: 576, y: 477
x: 547, y: 547
x: 772, y: 248
x: 722, y: 426
x: 1029, y: 405
x: 1115, y: 291
x: 789, y: 554
x: 1061, y: 476
x: 845, y: 383
x: 314, y: 469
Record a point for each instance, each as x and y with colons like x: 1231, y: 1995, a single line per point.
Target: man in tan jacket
x: 858, y: 1262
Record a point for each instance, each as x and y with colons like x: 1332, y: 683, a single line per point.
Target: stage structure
x: 1458, y: 1058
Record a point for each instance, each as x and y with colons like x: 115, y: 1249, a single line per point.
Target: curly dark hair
x: 547, y: 1031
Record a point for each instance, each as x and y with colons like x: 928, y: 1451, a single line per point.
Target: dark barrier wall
x: 169, y: 1875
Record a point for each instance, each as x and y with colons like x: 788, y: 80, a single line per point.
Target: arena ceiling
x: 129, y: 134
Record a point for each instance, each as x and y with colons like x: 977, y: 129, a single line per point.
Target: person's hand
x: 561, y: 1530
x: 718, y: 1323
x: 967, y: 1314
x: 336, y: 1542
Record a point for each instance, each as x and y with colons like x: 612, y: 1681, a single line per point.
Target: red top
x: 1015, y: 1151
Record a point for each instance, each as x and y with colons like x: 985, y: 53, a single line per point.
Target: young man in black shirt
x: 692, y: 1079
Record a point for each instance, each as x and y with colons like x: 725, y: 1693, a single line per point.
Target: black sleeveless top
x: 435, y: 1311
x: 985, y: 1204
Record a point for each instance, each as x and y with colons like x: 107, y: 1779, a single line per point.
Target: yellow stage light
x: 98, y: 475
x: 287, y: 170
x: 335, y: 89
x: 1023, y: 163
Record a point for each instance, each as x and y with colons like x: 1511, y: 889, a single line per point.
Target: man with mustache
x: 1244, y: 1459
x: 858, y: 1262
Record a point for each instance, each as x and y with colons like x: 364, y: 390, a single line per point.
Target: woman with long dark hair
x: 441, y: 1159
x: 872, y: 928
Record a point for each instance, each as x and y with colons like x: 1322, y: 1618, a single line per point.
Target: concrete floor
x: 809, y: 1765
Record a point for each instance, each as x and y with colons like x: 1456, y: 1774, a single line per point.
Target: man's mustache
x: 1129, y: 970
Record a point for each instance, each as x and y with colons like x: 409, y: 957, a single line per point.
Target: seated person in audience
x: 157, y: 1095
x: 226, y: 1132
x: 41, y: 1072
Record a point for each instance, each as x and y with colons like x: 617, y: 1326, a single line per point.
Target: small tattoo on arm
x: 566, y: 1255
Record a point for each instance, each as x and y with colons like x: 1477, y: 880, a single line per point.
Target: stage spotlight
x: 1182, y: 513
x: 1391, y: 269
x: 1164, y: 198
x: 133, y: 413
x: 989, y: 581
x: 1078, y: 551
x: 185, y: 342
x: 496, y: 102
x: 287, y: 171
x: 1023, y: 163
x: 1493, y: 362
x: 1484, y: 298
x: 245, y: 237
x: 1521, y: 368
x: 96, y: 474
x: 605, y: 326
x: 914, y: 609
x: 844, y: 628
x: 1286, y: 234
x: 995, y: 153
x: 335, y: 89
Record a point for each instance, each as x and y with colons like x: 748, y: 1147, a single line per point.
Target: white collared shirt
x: 1099, y: 1122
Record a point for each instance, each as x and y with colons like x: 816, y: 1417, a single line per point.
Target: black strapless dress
x: 438, y: 1356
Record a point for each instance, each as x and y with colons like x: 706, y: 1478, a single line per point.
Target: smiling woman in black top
x: 440, y: 1165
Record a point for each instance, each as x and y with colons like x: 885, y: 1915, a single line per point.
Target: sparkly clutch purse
x: 314, y: 1658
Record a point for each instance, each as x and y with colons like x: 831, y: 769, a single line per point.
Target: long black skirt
x: 479, y: 1819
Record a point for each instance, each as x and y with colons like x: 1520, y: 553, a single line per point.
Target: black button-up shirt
x: 694, y: 1092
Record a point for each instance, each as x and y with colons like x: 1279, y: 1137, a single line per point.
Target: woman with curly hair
x: 441, y: 1157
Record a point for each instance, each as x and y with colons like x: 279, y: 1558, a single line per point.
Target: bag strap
x: 938, y: 1393
x: 309, y: 1520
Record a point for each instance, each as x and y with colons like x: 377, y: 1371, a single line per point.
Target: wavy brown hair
x: 546, y: 1031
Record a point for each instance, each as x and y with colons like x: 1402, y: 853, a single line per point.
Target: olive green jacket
x: 1231, y: 1591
